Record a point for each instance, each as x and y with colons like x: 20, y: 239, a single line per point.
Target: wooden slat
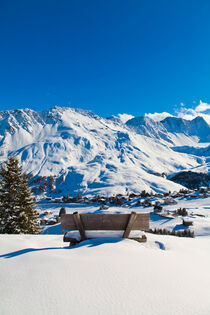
x: 106, y: 221
x: 79, y: 225
x: 67, y: 222
x: 130, y: 224
x: 142, y: 222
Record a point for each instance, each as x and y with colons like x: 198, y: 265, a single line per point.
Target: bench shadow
x: 88, y: 243
x: 27, y: 250
x: 98, y: 241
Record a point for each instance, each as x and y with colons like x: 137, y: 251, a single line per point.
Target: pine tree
x: 17, y: 211
x: 28, y: 217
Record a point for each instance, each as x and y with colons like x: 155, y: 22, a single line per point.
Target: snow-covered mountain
x: 89, y: 154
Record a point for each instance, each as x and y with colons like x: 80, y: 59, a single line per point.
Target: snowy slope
x: 42, y: 275
x: 94, y: 155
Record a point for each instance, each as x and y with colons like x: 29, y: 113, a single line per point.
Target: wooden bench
x: 104, y: 222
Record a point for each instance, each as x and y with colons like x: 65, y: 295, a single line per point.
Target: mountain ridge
x: 90, y: 154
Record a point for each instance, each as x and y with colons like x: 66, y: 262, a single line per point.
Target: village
x: 178, y: 213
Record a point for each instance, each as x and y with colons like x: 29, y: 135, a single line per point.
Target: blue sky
x: 107, y: 56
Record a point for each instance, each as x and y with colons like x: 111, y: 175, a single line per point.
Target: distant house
x: 170, y: 201
x: 58, y: 199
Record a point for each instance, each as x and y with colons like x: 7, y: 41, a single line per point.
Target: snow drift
x: 166, y: 275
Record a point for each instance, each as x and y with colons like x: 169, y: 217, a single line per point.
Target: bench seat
x: 97, y: 234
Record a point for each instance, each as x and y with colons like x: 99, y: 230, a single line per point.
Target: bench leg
x: 142, y: 239
x: 71, y: 244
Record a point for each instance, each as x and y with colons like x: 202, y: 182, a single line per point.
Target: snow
x: 92, y: 155
x: 108, y: 275
x: 104, y: 234
x: 40, y: 274
x: 125, y: 117
x: 166, y: 275
x: 198, y: 211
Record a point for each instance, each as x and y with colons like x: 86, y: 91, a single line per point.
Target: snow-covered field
x: 166, y: 275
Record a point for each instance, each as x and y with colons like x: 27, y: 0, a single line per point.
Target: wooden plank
x: 79, y: 225
x: 67, y: 222
x: 131, y: 220
x: 96, y: 221
x: 142, y: 222
x: 106, y: 221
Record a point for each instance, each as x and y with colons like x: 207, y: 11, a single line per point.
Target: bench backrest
x: 101, y: 221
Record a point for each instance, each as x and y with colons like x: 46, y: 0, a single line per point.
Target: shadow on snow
x: 87, y: 243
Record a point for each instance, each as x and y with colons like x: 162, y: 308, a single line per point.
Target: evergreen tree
x: 17, y: 211
x: 28, y: 217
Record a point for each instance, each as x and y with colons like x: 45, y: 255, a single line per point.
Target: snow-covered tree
x: 28, y: 217
x: 17, y: 208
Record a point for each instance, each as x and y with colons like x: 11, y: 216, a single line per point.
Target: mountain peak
x: 87, y: 153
